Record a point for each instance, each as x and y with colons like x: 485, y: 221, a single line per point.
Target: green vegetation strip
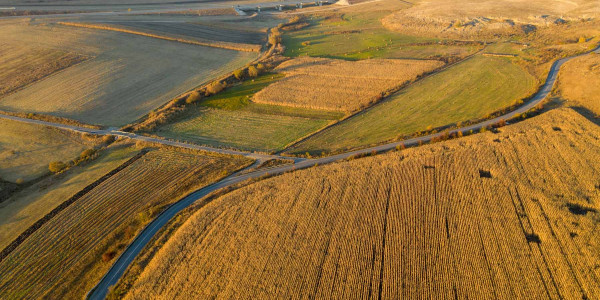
x: 231, y: 119
x: 469, y: 90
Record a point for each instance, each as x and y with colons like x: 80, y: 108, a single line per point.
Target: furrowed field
x: 67, y: 255
x: 472, y: 89
x: 27, y: 149
x: 230, y: 119
x: 25, y: 207
x: 579, y: 82
x: 340, y: 85
x: 511, y: 215
x: 125, y: 77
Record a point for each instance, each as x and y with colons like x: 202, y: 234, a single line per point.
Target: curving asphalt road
x: 118, y: 268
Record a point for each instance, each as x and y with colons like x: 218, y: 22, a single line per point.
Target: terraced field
x: 112, y: 87
x: 68, y: 254
x: 230, y: 119
x: 27, y: 149
x: 470, y: 90
x: 488, y: 216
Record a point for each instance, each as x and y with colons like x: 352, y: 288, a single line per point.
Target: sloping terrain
x: 579, y: 82
x: 507, y: 215
x: 70, y: 252
x: 126, y: 76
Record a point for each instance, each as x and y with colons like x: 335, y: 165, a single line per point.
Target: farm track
x: 118, y: 268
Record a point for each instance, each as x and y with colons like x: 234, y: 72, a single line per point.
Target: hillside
x: 496, y: 215
x: 579, y: 82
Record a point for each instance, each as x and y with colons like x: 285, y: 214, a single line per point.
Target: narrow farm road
x: 116, y: 271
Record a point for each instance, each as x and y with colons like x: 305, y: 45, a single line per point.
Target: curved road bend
x: 118, y: 268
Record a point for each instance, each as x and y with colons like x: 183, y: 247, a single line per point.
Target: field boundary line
x: 222, y: 45
x: 392, y: 92
x: 39, y: 223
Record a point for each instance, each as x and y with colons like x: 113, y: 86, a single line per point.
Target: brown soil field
x: 579, y: 82
x: 507, y: 215
x: 66, y: 256
x: 126, y: 77
x: 331, y: 84
x: 22, y: 64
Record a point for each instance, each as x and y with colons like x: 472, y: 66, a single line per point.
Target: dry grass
x: 27, y: 206
x: 488, y: 17
x: 62, y: 259
x: 128, y: 76
x: 27, y: 149
x: 207, y: 43
x: 22, y: 64
x: 425, y: 223
x: 330, y: 84
x: 579, y: 82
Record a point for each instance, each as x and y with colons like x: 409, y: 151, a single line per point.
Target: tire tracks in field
x: 39, y: 223
x: 143, y: 238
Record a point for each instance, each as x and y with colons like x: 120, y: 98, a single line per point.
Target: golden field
x: 68, y: 254
x: 579, y: 82
x: 27, y: 149
x: 331, y: 84
x: 508, y: 215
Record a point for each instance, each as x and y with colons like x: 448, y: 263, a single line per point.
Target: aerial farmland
x: 285, y: 149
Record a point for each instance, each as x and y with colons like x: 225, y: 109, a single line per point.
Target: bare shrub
x: 214, y: 88
x: 193, y: 97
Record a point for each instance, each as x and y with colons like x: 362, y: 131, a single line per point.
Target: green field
x: 24, y: 208
x: 359, y: 35
x: 27, y: 149
x: 230, y: 119
x: 469, y: 90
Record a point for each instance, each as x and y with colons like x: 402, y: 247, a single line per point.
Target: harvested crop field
x: 126, y: 77
x: 26, y: 206
x: 27, y: 149
x: 229, y: 119
x: 489, y: 216
x: 579, y: 82
x: 466, y: 91
x: 329, y: 84
x: 22, y: 64
x: 67, y: 255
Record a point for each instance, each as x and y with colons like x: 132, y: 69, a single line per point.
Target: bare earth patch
x: 331, y: 84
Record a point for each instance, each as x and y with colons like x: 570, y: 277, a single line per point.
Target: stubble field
x: 340, y: 85
x: 507, y: 215
x: 126, y: 76
x: 67, y: 255
x: 472, y: 89
x: 579, y: 82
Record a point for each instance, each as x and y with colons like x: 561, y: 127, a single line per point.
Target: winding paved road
x: 118, y: 268
x: 123, y: 261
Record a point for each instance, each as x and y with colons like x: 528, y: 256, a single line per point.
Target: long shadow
x: 588, y: 114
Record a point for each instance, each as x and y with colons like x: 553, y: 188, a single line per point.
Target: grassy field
x: 469, y: 90
x: 579, y: 82
x: 230, y: 119
x: 489, y: 216
x: 27, y: 206
x: 69, y: 254
x: 357, y: 33
x: 126, y: 77
x: 27, y: 149
x: 340, y: 85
